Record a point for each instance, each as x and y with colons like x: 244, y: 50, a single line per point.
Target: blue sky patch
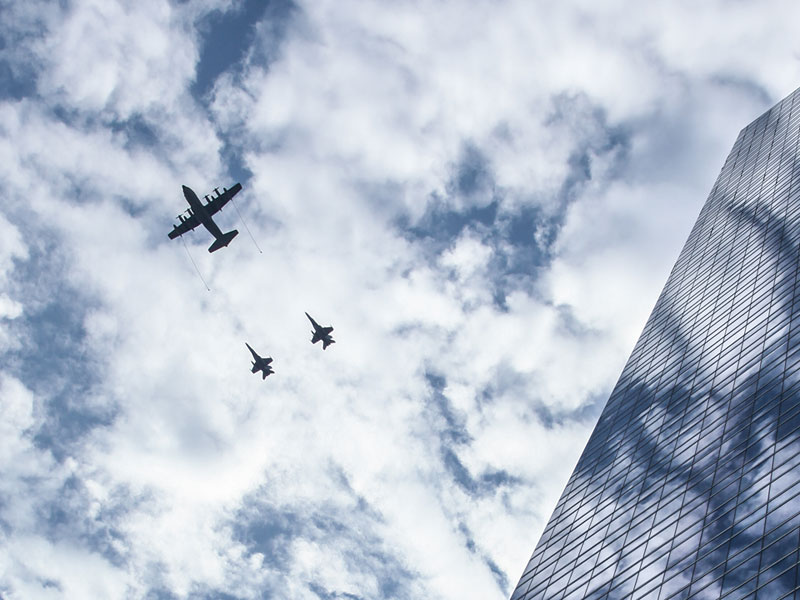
x: 228, y: 36
x: 269, y: 531
x: 442, y: 224
x: 472, y: 175
x: 54, y: 361
x: 251, y: 32
x: 18, y: 71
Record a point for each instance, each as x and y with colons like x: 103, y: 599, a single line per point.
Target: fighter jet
x: 259, y: 363
x: 201, y: 213
x: 321, y: 333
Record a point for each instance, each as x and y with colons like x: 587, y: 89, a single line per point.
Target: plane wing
x: 216, y: 204
x: 186, y: 224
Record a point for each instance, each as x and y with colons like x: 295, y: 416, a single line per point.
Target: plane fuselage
x: 201, y: 212
x: 320, y: 333
x: 260, y: 363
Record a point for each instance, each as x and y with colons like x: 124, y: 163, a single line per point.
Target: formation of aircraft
x: 321, y: 333
x: 201, y: 214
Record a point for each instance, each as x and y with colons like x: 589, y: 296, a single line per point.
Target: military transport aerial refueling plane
x: 321, y: 333
x: 199, y: 213
x: 260, y: 363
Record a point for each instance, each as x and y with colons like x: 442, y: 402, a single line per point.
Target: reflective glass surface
x: 689, y: 486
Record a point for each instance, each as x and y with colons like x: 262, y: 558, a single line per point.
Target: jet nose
x: 188, y: 193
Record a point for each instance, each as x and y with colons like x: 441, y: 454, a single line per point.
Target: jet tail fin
x: 223, y: 240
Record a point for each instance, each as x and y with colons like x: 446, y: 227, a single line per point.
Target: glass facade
x: 689, y: 486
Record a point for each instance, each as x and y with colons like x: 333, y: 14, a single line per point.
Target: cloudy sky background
x: 483, y: 198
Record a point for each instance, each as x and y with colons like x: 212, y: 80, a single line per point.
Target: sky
x: 483, y: 198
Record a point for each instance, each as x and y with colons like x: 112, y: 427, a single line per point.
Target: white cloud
x: 118, y: 58
x: 34, y: 566
x: 9, y: 309
x: 12, y: 247
x: 607, y: 121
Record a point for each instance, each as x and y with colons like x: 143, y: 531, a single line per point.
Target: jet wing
x: 186, y: 224
x: 216, y: 204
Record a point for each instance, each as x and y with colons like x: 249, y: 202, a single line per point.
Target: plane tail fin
x: 223, y: 240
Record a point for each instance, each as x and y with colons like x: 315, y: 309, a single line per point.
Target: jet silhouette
x: 200, y: 213
x: 321, y: 333
x: 259, y: 363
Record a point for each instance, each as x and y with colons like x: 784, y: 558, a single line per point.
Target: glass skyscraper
x: 689, y: 486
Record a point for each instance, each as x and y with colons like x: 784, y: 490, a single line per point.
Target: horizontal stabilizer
x: 223, y: 240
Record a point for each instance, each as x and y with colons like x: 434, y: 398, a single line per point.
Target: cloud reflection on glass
x: 686, y: 487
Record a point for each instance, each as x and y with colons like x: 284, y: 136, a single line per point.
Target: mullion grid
x: 662, y: 487
x: 750, y: 437
x: 690, y: 525
x: 773, y: 299
x: 613, y: 516
x: 783, y: 569
x: 707, y: 524
x: 690, y: 507
x: 753, y: 344
x: 629, y: 524
x: 686, y: 407
x: 695, y: 245
x: 746, y: 245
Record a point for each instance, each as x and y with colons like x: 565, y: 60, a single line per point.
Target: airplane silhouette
x: 321, y: 333
x: 260, y: 363
x: 199, y: 213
